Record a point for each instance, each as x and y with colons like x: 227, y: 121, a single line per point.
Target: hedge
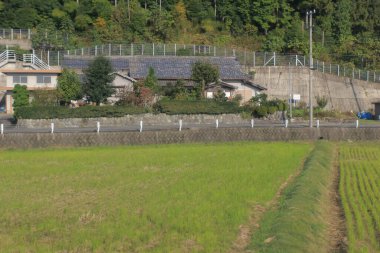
x: 60, y: 112
x: 197, y: 107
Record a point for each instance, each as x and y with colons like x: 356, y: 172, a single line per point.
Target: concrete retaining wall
x: 133, y: 120
x: 203, y: 135
x: 343, y: 93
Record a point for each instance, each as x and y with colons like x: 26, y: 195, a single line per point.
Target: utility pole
x: 290, y: 86
x: 309, y: 15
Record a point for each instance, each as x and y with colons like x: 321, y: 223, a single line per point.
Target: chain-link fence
x: 247, y: 59
x: 15, y: 34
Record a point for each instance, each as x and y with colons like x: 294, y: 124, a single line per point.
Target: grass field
x: 173, y: 198
x: 299, y: 221
x: 360, y: 193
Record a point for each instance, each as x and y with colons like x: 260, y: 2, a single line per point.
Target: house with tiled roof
x: 169, y: 69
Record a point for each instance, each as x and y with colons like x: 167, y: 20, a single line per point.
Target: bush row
x: 60, y: 112
x: 197, y: 107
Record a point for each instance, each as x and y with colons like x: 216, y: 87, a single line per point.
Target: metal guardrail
x: 33, y: 59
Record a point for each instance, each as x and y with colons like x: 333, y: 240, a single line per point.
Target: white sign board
x: 297, y: 97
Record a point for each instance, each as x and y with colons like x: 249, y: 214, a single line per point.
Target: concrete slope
x: 343, y: 93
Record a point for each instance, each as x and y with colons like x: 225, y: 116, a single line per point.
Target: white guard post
x: 97, y: 126
x: 180, y: 125
x: 252, y: 123
x: 52, y: 128
x: 141, y: 126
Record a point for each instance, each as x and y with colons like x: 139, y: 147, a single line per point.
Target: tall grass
x: 298, y: 223
x: 173, y: 198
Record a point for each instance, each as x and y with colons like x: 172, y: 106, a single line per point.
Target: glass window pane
x: 24, y: 79
x: 40, y: 79
x: 47, y: 79
x: 16, y: 79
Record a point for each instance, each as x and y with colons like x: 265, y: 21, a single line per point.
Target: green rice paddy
x: 169, y: 198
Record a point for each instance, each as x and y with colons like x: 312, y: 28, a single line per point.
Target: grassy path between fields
x: 306, y: 217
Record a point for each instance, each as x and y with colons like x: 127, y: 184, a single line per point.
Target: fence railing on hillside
x: 15, y: 34
x: 248, y: 59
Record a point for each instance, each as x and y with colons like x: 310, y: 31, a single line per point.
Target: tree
x: 151, y: 80
x: 98, y: 84
x: 343, y: 19
x: 204, y: 73
x: 20, y: 96
x: 69, y: 86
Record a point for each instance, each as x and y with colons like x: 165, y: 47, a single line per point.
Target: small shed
x: 377, y: 110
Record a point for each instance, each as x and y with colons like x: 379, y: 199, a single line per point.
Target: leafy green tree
x: 20, y: 96
x: 98, y: 84
x: 151, y: 80
x: 204, y: 73
x: 343, y: 19
x: 69, y: 86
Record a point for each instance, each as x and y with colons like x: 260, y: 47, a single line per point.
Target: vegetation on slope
x: 298, y: 223
x: 172, y: 198
x: 346, y: 30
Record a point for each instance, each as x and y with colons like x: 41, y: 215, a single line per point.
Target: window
x: 228, y: 94
x: 18, y: 79
x: 43, y: 79
x: 209, y: 94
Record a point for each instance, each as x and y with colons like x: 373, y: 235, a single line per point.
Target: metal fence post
x: 48, y: 57
x: 359, y: 75
x: 109, y: 49
x: 367, y: 76
x: 96, y: 50
x: 274, y: 58
x: 131, y: 49
x: 214, y: 51
x: 194, y: 49
x: 153, y: 49
x: 11, y: 34
x: 323, y: 67
x: 164, y: 49
x: 2, y: 129
x: 58, y: 58
x: 175, y: 49
x: 338, y: 69
x: 254, y: 58
x: 28, y: 34
x: 120, y: 49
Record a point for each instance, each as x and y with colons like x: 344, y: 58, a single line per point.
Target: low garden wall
x: 43, y: 140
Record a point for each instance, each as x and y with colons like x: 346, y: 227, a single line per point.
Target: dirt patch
x: 336, y: 220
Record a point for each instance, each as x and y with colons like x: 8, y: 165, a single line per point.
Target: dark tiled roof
x: 164, y: 67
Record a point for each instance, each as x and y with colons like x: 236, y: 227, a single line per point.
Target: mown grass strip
x: 299, y: 222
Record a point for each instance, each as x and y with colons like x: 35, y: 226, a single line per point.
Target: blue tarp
x: 365, y: 115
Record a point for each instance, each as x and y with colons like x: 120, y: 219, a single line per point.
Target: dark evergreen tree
x: 98, y: 80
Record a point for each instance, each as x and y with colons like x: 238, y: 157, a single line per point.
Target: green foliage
x: 99, y: 78
x: 69, y: 86
x: 174, y: 91
x: 20, y: 96
x: 197, y: 107
x: 61, y: 112
x: 151, y: 80
x: 220, y: 96
x: 321, y: 101
x: 44, y: 97
x: 204, y: 73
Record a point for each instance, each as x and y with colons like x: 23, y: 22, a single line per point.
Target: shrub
x: 60, y: 112
x: 20, y: 96
x: 272, y: 109
x: 261, y: 111
x: 197, y: 107
x: 44, y: 97
x: 321, y: 101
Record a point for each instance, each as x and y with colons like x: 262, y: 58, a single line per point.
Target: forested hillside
x: 345, y: 30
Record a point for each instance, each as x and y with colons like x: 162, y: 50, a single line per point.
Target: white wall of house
x: 32, y: 80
